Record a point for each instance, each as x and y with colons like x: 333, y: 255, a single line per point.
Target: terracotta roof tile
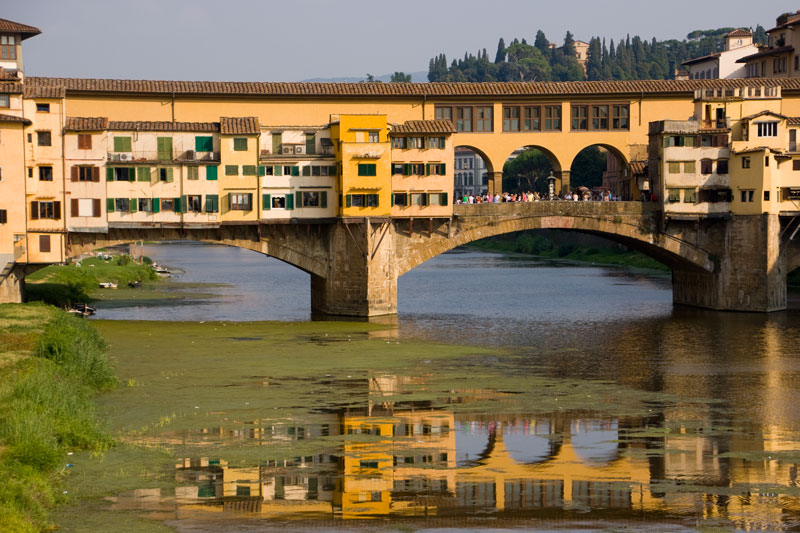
x: 85, y: 123
x: 442, y: 90
x: 142, y: 125
x: 739, y: 33
x: 702, y: 58
x: 793, y: 121
x: 765, y: 52
x: 16, y: 27
x: 238, y: 125
x: 10, y: 87
x: 6, y: 74
x: 13, y: 118
x: 29, y: 91
x: 639, y: 168
x: 425, y: 126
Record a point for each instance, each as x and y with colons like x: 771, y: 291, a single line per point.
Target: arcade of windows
x: 532, y: 118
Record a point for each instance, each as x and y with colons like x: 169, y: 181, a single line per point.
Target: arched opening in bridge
x: 599, y: 169
x: 528, y: 168
x: 471, y: 172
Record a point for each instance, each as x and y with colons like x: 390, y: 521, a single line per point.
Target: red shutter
x: 95, y: 173
x: 34, y: 210
x: 57, y: 210
x: 73, y: 206
x: 96, y: 206
x: 74, y: 174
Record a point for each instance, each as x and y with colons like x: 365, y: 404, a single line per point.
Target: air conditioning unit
x: 300, y: 149
x: 125, y: 157
x: 286, y: 150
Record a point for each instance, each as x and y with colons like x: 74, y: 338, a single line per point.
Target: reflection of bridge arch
x: 279, y: 242
x: 606, y: 219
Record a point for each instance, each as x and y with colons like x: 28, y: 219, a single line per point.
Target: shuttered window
x: 211, y: 173
x: 143, y: 174
x: 231, y: 170
x: 122, y: 144
x: 203, y: 144
x: 240, y: 144
x: 44, y: 243
x: 249, y: 170
x: 212, y: 203
x: 84, y: 141
x: 192, y: 173
x: 367, y: 169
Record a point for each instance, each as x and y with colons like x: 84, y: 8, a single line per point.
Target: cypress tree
x: 500, y: 56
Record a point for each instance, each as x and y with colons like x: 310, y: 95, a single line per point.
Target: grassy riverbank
x: 51, y: 364
x: 62, y: 285
x: 526, y: 242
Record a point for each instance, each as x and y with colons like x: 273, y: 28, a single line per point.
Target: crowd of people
x: 575, y: 196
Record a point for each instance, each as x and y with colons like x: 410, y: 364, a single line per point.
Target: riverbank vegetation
x: 554, y: 246
x: 51, y: 365
x: 62, y: 285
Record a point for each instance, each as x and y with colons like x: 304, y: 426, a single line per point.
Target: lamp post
x: 551, y: 186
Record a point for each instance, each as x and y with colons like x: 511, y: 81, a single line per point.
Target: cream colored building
x: 724, y: 64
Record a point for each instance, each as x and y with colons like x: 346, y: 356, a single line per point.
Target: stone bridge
x: 738, y: 263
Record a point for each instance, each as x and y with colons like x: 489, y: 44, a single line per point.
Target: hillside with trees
x: 628, y: 58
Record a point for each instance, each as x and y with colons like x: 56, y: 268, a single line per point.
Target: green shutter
x: 211, y: 172
x: 110, y: 205
x: 169, y: 175
x: 249, y: 170
x: 212, y: 203
x: 443, y: 199
x: 442, y: 169
x: 262, y: 170
x: 424, y: 198
x: 347, y: 202
x: 133, y: 205
x: 332, y: 170
x: 276, y: 143
x: 427, y: 169
x: 239, y: 144
x: 109, y: 174
x: 277, y: 170
x: 266, y: 202
x: 290, y: 201
x: 310, y: 144
x: 407, y: 169
x: 143, y: 174
x: 122, y: 144
x: 164, y: 148
x: 391, y: 197
x: 323, y: 199
x: 176, y: 204
x: 156, y: 205
x: 231, y: 170
x: 203, y: 144
x: 306, y: 170
x: 298, y: 199
x: 295, y: 171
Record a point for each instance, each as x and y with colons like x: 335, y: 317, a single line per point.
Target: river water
x: 508, y: 392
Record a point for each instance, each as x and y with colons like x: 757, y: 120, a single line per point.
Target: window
x: 464, y: 118
x: 211, y: 173
x: 419, y: 199
x: 240, y: 144
x: 435, y: 198
x: 745, y: 162
x: 120, y: 174
x: 673, y: 195
x: 674, y: 167
x: 599, y: 117
x: 690, y: 196
x: 580, y: 117
x: 362, y: 200
x: 746, y: 195
x: 311, y: 144
x: 532, y: 118
x: 619, y: 117
x: 5, y: 101
x: 45, y: 173
x: 511, y: 118
x: 418, y: 169
x: 8, y: 48
x: 706, y: 166
x: 122, y: 204
x: 42, y: 108
x: 483, y: 119
x: 248, y: 170
x: 193, y: 204
x: 44, y: 243
x: 43, y: 138
x: 192, y: 173
x: 398, y: 142
x: 84, y: 141
x: 367, y: 169
x: 722, y: 166
x: 373, y: 136
x: 85, y: 207
x: 400, y: 199
x: 3, y: 216
x: 241, y: 201
x: 679, y: 140
x: 444, y: 113
x: 796, y: 164
x: 146, y: 205
x: 122, y: 144
x: 414, y: 142
x: 212, y: 203
x: 467, y: 118
x: 767, y: 129
x: 312, y: 199
x: 716, y: 195
x: 397, y: 168
x: 165, y: 175
x: 231, y: 170
x: 689, y: 167
x: 277, y: 202
x: 203, y: 144
x: 167, y: 204
x: 766, y: 196
x: 552, y: 118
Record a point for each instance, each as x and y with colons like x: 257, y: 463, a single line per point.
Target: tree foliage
x: 400, y: 77
x: 628, y: 58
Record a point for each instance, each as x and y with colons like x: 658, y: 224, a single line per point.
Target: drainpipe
x: 63, y: 180
x: 173, y: 106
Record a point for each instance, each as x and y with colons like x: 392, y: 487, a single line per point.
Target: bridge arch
x: 522, y: 170
x: 283, y: 249
x: 477, y: 222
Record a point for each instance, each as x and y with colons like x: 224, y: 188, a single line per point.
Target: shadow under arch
x: 80, y: 243
x: 666, y: 249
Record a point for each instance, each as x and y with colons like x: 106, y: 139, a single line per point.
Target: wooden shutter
x: 73, y: 206
x: 295, y: 171
x: 391, y: 198
x: 278, y: 170
x: 156, y: 205
x: 169, y: 174
x: 323, y: 199
x: 310, y: 144
x: 109, y: 173
x: 176, y: 204
x: 298, y: 199
x: 133, y: 205
x: 164, y: 148
x: 143, y: 174
x: 290, y: 201
x: 276, y: 143
x: 96, y: 174
x: 442, y: 169
x: 443, y: 199
x: 348, y: 200
x: 44, y: 243
x: 57, y: 210
x: 266, y: 202
x: 407, y: 169
x: 306, y: 170
x: 211, y: 173
x: 96, y: 207
x: 203, y: 144
x: 262, y: 170
x: 73, y: 174
x: 110, y: 205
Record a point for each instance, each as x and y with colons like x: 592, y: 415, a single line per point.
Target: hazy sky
x: 292, y: 40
